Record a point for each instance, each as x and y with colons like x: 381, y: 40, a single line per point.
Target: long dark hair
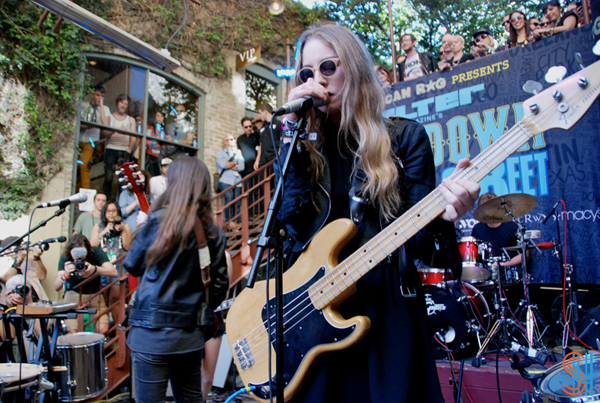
x: 75, y: 241
x: 103, y: 212
x: 188, y: 194
x: 514, y: 35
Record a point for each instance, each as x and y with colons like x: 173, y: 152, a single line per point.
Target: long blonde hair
x: 362, y: 106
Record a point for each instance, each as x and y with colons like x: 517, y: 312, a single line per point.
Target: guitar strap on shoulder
x: 203, y: 255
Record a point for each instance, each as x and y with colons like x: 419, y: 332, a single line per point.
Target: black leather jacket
x: 170, y: 293
x: 412, y: 151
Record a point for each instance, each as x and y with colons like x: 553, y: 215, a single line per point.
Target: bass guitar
x: 317, y: 283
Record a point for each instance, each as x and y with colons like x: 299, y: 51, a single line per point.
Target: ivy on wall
x: 40, y: 71
x: 212, y: 27
x: 47, y: 65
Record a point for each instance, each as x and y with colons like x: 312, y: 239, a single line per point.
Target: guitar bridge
x: 243, y: 354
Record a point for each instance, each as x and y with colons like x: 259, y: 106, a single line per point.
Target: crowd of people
x: 520, y: 28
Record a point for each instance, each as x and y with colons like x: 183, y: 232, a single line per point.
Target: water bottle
x: 195, y: 143
x: 139, y: 127
x: 161, y: 131
x: 95, y: 115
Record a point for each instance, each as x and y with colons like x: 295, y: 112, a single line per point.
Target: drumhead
x: 81, y: 339
x: 468, y: 239
x: 552, y: 383
x: 9, y: 373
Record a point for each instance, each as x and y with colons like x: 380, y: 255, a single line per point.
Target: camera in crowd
x: 113, y: 233
x: 17, y: 285
x: 79, y: 254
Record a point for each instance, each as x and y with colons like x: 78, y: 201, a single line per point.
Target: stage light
x: 276, y: 7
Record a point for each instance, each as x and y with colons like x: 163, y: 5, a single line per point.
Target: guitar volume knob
x: 583, y: 82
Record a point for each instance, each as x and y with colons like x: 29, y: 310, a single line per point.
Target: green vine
x: 48, y: 65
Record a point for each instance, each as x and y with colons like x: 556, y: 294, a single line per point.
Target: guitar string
x: 465, y: 172
x: 461, y: 174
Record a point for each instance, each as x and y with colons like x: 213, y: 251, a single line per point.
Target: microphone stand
x: 41, y: 224
x: 273, y: 236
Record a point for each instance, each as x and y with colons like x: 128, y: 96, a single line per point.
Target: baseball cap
x: 165, y: 161
x: 481, y: 31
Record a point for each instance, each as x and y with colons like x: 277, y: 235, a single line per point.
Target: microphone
x: 60, y: 239
x: 297, y: 105
x: 536, y: 355
x: 62, y: 203
x: 550, y: 213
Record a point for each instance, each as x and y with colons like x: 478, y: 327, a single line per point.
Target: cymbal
x: 493, y: 211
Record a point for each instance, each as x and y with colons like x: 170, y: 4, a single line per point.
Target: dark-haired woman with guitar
x: 171, y: 255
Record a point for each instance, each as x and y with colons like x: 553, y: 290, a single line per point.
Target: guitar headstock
x: 563, y: 104
x: 131, y: 178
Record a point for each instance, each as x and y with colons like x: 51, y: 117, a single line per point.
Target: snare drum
x: 551, y: 386
x: 473, y: 252
x: 432, y: 276
x: 86, y: 373
x: 28, y: 390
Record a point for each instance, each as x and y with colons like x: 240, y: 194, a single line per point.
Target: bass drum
x: 82, y: 354
x: 28, y: 389
x: 551, y: 386
x: 454, y: 322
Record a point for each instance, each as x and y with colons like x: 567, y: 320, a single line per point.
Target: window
x: 145, y: 117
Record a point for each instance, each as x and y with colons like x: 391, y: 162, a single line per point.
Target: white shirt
x: 412, y: 66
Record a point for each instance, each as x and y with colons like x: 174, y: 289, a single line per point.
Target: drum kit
x: 80, y: 372
x: 74, y: 364
x: 460, y: 317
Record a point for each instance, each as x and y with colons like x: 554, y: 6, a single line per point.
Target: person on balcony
x: 79, y: 261
x: 166, y: 336
x: 267, y: 151
x: 86, y: 220
x: 248, y: 143
x: 230, y: 163
x: 93, y: 111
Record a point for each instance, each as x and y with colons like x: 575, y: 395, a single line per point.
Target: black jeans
x: 153, y: 371
x: 112, y: 160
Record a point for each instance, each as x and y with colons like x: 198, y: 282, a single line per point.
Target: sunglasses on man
x: 327, y: 68
x: 481, y: 37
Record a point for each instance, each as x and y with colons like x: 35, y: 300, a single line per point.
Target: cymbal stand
x: 533, y: 316
x: 572, y: 308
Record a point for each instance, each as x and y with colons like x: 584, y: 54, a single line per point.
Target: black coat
x: 170, y: 292
x: 395, y: 361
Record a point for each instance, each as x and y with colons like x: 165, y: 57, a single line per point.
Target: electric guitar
x: 317, y: 283
x: 129, y: 176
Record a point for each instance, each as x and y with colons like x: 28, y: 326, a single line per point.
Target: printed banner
x: 468, y: 108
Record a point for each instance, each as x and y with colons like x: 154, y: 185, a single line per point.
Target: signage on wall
x: 247, y: 57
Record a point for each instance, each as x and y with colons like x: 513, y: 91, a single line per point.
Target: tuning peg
x: 555, y: 74
x: 124, y: 187
x: 135, y: 174
x: 135, y: 166
x: 119, y: 172
x: 596, y: 48
x: 121, y: 180
x: 579, y: 60
x: 532, y: 87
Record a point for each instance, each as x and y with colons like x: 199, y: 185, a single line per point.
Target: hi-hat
x: 494, y: 210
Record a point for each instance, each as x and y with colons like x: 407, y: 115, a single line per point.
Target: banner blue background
x: 466, y: 109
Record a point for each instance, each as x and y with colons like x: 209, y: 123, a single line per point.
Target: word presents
x: 480, y: 72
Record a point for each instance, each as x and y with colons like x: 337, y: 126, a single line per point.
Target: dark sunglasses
x: 537, y: 24
x: 517, y: 18
x: 480, y: 37
x: 327, y: 68
x: 505, y: 22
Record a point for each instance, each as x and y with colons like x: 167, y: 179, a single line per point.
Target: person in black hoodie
x: 167, y: 318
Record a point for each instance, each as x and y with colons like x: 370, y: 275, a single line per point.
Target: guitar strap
x: 203, y: 255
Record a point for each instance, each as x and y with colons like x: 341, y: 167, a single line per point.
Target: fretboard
x: 359, y: 263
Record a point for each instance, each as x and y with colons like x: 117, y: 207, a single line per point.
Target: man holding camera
x: 36, y: 270
x: 79, y: 262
